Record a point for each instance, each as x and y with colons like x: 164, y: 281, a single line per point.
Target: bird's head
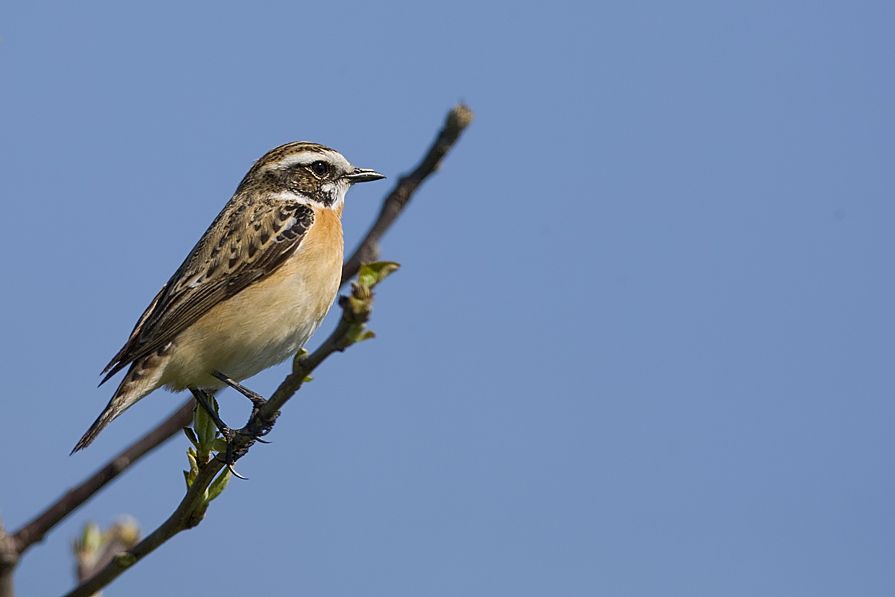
x: 305, y: 172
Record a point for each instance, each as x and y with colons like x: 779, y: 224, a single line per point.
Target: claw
x: 235, y: 474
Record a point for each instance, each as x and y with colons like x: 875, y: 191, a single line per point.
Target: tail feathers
x: 111, y: 411
x: 138, y: 382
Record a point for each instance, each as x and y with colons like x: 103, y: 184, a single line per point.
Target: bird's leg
x: 257, y: 399
x: 203, y: 399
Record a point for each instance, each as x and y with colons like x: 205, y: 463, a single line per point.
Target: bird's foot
x: 236, y: 450
x: 256, y: 428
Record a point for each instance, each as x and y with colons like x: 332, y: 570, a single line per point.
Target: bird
x: 251, y: 292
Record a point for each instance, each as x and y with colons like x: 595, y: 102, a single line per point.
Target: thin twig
x: 12, y: 546
x: 35, y: 530
x: 367, y: 250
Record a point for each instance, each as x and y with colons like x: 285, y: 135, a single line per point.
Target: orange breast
x: 318, y: 259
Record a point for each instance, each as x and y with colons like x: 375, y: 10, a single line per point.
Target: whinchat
x: 254, y: 288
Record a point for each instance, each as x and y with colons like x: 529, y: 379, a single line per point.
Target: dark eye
x: 320, y: 168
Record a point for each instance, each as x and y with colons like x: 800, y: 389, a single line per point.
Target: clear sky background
x: 641, y: 344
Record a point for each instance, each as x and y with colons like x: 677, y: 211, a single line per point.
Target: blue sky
x: 642, y: 339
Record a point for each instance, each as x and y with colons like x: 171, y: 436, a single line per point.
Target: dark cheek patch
x: 326, y: 198
x: 303, y: 182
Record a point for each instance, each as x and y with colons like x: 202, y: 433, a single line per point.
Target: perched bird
x: 253, y: 289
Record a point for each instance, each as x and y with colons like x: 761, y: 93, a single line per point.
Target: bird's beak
x: 363, y: 175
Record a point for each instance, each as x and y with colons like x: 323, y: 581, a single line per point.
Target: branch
x: 12, y: 546
x: 367, y: 251
x: 356, y: 309
x: 35, y: 530
x: 9, y: 557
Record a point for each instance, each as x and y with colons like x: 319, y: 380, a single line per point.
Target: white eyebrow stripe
x: 302, y: 157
